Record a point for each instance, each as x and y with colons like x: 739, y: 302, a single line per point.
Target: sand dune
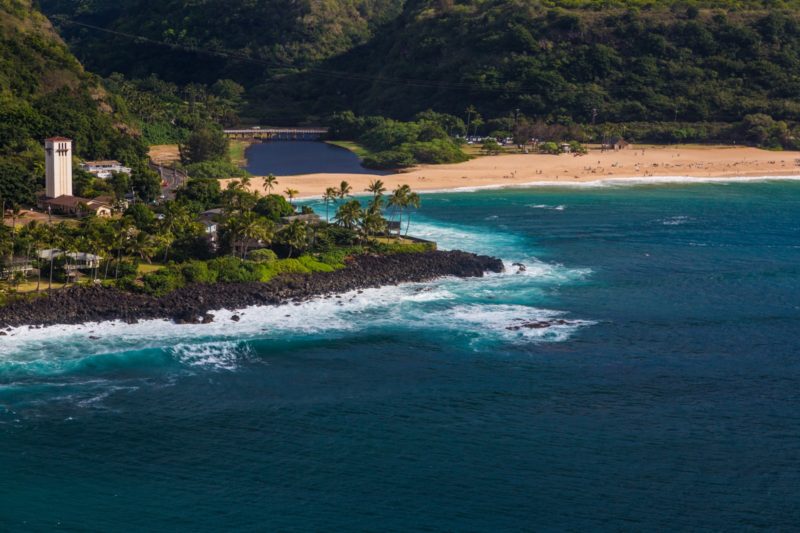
x: 518, y: 169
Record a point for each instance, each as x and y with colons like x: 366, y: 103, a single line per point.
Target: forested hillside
x: 667, y: 69
x: 247, y: 41
x: 615, y: 64
x: 44, y: 91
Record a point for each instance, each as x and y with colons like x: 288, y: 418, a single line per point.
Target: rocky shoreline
x: 192, y: 304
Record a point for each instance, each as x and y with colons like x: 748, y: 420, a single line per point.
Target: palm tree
x: 15, y: 211
x: 470, y: 111
x: 174, y: 214
x: 142, y: 244
x: 397, y: 201
x: 344, y: 190
x: 412, y: 201
x: 269, y: 183
x: 349, y: 214
x: 376, y: 187
x: 329, y: 196
x: 294, y: 235
x: 291, y: 194
x: 372, y: 223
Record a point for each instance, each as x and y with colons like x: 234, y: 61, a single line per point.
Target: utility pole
x: 594, y: 115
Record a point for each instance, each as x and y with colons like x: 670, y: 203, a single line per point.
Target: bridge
x: 284, y: 134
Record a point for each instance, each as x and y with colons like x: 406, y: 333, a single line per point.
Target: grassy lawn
x: 236, y: 151
x: 392, y: 240
x: 30, y: 286
x: 354, y: 147
x: 144, y: 268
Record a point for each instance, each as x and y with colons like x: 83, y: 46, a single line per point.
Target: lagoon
x: 290, y: 158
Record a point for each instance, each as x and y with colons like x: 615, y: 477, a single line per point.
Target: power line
x: 231, y: 54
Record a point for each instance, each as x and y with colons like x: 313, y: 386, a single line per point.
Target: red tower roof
x: 58, y: 139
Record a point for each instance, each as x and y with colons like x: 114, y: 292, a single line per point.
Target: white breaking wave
x: 216, y: 355
x: 615, y: 182
x: 479, y: 307
x: 676, y: 221
x: 548, y: 207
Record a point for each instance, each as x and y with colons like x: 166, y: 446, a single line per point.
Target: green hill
x: 44, y: 91
x: 206, y: 40
x: 614, y: 64
x: 668, y: 69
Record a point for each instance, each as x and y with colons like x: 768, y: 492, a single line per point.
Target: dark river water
x: 286, y: 158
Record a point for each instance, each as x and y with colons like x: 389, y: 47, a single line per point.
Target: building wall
x: 58, y: 167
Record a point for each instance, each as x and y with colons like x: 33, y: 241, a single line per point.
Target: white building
x: 104, y: 169
x: 58, y: 166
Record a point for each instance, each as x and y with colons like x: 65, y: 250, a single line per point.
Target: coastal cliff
x: 192, y: 304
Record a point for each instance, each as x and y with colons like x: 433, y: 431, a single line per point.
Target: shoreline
x: 194, y: 304
x: 634, y: 166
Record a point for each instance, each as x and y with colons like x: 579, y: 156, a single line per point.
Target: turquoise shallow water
x: 668, y: 401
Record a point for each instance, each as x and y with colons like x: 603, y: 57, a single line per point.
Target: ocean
x: 665, y: 397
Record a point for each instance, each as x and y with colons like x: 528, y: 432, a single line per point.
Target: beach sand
x: 508, y: 170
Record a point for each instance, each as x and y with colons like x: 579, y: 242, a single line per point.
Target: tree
x: 142, y: 244
x: 412, y: 201
x: 349, y: 214
x: 372, y: 223
x: 204, y: 144
x: 205, y: 192
x: 328, y: 197
x: 376, y: 187
x: 269, y: 183
x: 344, y: 190
x: 470, y: 111
x: 146, y: 183
x: 274, y: 207
x: 294, y: 235
x: 490, y: 146
x: 291, y: 194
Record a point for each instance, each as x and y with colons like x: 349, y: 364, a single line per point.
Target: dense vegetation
x: 45, y: 92
x: 251, y: 241
x: 669, y: 70
x: 676, y: 64
x: 205, y: 40
x: 429, y: 138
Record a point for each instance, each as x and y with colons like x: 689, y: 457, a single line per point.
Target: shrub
x: 198, y: 272
x: 163, y: 281
x: 231, y: 269
x: 389, y: 159
x: 550, y: 148
x: 263, y: 256
x: 274, y: 206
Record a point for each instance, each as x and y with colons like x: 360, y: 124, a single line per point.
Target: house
x: 616, y: 143
x: 210, y: 221
x: 76, y: 206
x: 77, y: 260
x: 308, y: 218
x: 16, y: 265
x: 566, y: 148
x: 105, y: 168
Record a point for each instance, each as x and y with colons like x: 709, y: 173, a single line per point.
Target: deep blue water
x: 670, y: 400
x: 288, y: 158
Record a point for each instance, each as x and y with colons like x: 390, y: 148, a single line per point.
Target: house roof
x: 308, y: 217
x: 103, y: 163
x: 58, y: 139
x: 66, y: 201
x: 75, y: 201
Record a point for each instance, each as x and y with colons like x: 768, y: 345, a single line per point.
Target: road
x: 171, y: 179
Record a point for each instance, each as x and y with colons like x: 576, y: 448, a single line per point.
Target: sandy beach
x: 508, y: 170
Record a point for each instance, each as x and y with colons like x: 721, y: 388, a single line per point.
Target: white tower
x: 58, y: 164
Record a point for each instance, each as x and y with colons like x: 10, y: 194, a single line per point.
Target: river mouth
x: 291, y: 158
